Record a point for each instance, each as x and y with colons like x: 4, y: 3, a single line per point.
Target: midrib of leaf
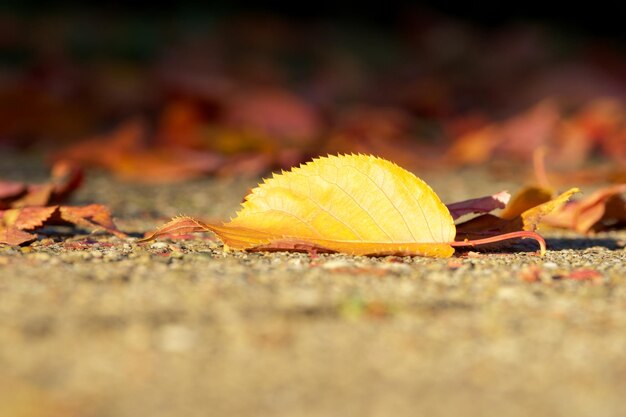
x: 304, y: 222
x: 299, y: 194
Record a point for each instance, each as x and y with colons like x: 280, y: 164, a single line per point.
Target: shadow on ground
x: 556, y: 244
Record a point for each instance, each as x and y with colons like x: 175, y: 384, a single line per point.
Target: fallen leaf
x: 14, y: 236
x: 527, y: 220
x: 383, y: 131
x: 532, y: 218
x: 65, y: 178
x: 356, y: 204
x: 475, y: 147
x: 601, y: 210
x: 584, y: 274
x: 571, y: 135
x: 10, y: 190
x: 125, y: 152
x: 522, y: 134
x: 479, y: 205
x: 93, y: 216
x: 525, y: 199
x: 15, y: 222
x: 39, y: 195
x: 180, y: 225
x: 321, y: 204
x: 273, y: 114
x: 515, y: 137
x: 27, y: 218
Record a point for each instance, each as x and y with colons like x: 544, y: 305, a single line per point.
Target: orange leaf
x: 532, y: 217
x: 526, y: 199
x: 178, y: 226
x: 14, y: 236
x: 124, y: 152
x: 27, y: 218
x: 527, y: 220
x: 66, y: 177
x: 590, y: 212
x: 13, y: 222
x: 39, y: 195
x: 92, y: 216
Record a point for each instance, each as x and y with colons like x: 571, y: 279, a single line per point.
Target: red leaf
x: 582, y: 275
x: 479, y: 205
x: 64, y: 180
x: 276, y: 114
x: 10, y: 191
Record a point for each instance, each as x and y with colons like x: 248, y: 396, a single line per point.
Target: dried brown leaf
x: 489, y: 225
x: 177, y: 226
x: 27, y: 218
x: 14, y: 236
x: 93, y: 216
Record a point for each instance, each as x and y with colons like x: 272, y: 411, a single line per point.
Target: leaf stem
x: 506, y: 236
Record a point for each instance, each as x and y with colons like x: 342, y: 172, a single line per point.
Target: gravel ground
x: 91, y: 325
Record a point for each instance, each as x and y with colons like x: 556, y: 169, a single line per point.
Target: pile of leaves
x: 246, y: 95
x: 27, y: 209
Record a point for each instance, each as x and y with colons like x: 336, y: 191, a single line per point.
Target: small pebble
x: 336, y: 263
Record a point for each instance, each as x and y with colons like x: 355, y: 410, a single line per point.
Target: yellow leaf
x: 531, y: 218
x: 356, y: 204
x: 526, y: 199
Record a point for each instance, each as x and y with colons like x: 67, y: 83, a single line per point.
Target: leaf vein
x: 388, y: 199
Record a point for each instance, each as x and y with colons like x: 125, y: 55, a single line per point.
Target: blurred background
x: 171, y: 92
x: 475, y: 98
